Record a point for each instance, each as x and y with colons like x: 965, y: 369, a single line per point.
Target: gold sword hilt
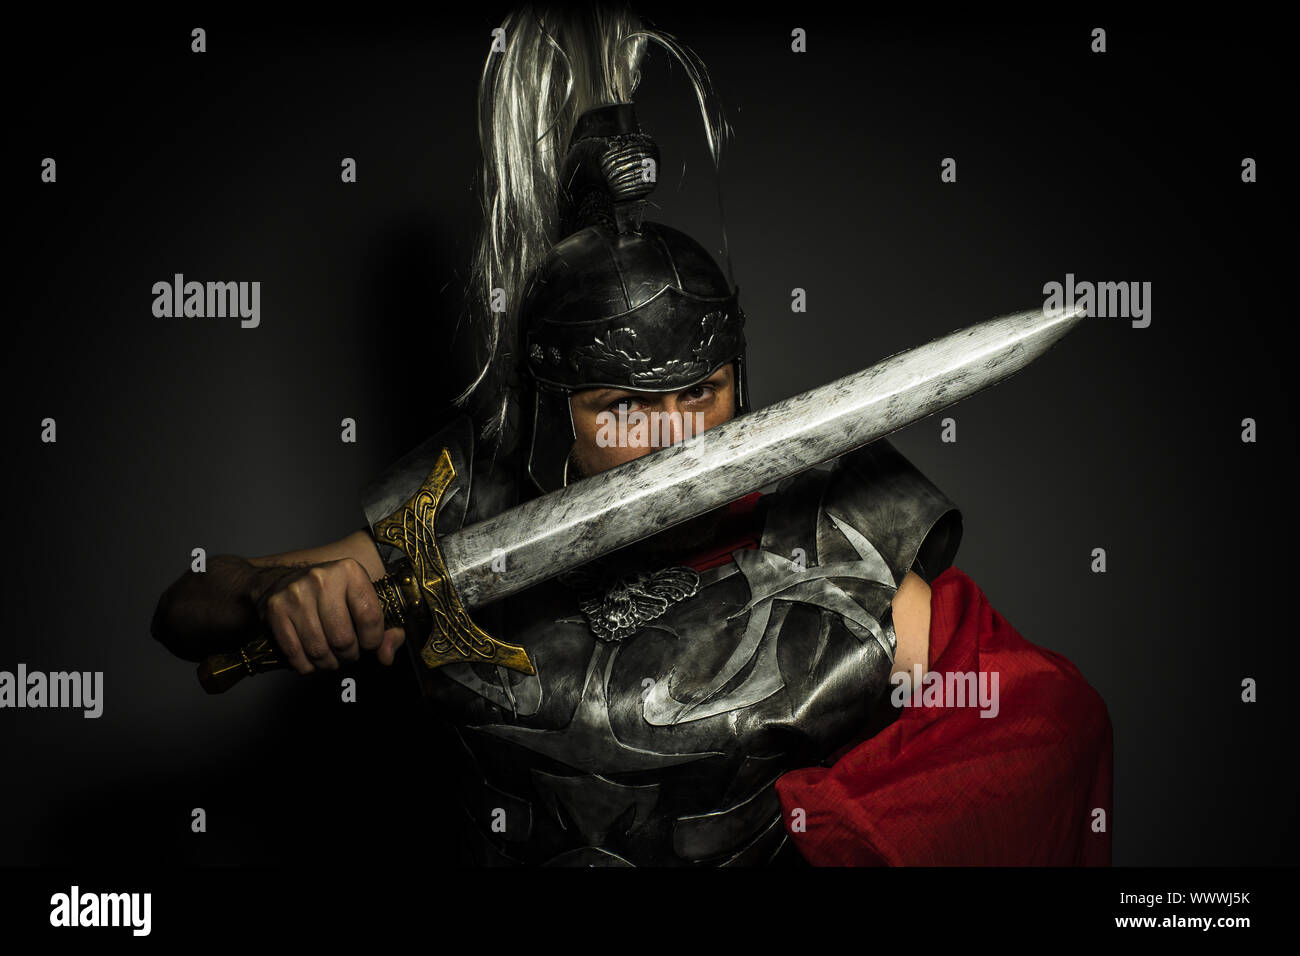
x: 416, y: 595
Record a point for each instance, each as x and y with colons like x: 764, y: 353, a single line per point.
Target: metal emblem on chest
x: 631, y: 602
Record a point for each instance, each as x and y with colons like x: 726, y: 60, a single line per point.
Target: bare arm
x: 912, y: 624
x: 317, y: 603
x: 358, y: 545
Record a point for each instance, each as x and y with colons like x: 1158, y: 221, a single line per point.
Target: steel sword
x: 581, y: 522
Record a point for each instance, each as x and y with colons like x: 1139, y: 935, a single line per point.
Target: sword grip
x: 399, y: 596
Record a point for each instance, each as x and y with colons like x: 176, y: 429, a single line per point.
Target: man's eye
x: 698, y: 392
x: 623, y: 406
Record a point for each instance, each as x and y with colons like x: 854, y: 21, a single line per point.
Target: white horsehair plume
x: 554, y: 62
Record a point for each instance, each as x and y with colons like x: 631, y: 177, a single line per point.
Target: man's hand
x: 325, y: 613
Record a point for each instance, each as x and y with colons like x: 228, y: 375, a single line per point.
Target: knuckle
x: 297, y: 660
x: 340, y: 641
x: 283, y: 639
x: 369, y: 616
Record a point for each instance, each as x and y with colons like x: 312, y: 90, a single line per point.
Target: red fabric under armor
x: 945, y: 786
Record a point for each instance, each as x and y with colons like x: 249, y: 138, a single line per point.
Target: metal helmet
x: 619, y: 303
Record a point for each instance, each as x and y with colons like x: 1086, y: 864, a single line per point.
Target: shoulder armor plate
x: 879, y: 494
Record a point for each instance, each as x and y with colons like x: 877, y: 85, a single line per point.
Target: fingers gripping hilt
x: 417, y: 595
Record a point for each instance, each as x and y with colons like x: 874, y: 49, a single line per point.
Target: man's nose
x: 671, y: 428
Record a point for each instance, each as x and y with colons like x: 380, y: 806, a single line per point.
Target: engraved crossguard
x: 453, y: 637
x: 417, y: 595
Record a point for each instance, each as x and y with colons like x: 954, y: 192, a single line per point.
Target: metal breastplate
x: 666, y: 703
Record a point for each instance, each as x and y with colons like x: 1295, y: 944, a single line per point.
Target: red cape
x: 945, y: 786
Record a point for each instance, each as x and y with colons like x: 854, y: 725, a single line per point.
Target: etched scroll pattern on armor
x: 615, y: 356
x: 588, y: 742
x: 605, y: 812
x: 772, y: 578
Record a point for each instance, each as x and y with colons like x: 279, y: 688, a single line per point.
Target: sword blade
x: 592, y: 517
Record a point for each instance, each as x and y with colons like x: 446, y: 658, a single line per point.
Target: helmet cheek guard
x: 552, y: 441
x: 619, y: 303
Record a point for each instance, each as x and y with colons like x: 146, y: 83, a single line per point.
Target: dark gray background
x: 177, y: 433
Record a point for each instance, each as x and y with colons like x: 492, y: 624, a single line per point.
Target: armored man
x: 717, y: 691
